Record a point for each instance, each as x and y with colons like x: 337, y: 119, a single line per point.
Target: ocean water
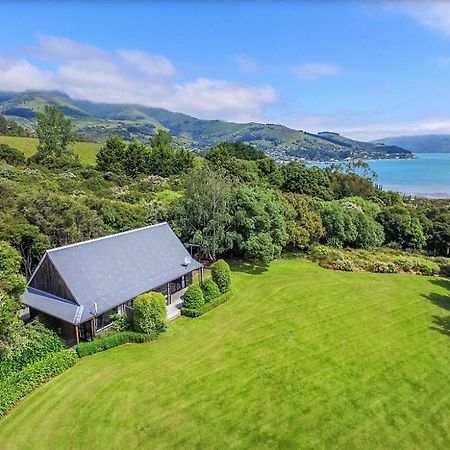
x: 428, y: 175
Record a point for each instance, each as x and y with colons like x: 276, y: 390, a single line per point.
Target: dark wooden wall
x: 47, y: 279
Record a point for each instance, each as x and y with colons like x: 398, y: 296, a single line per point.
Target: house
x: 76, y: 288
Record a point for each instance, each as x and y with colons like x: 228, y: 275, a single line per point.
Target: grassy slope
x: 300, y: 357
x: 86, y: 150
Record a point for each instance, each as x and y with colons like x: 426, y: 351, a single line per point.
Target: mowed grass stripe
x: 299, y: 357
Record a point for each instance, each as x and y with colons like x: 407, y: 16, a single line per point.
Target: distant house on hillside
x: 76, y: 288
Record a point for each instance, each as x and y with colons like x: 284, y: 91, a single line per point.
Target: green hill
x: 97, y: 121
x: 86, y: 150
x: 432, y: 143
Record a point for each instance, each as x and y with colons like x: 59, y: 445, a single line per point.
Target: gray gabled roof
x: 105, y: 272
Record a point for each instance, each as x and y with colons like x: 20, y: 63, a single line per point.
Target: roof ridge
x: 106, y: 237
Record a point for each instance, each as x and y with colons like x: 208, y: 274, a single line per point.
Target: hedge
x: 18, y: 385
x: 112, y: 340
x: 190, y: 312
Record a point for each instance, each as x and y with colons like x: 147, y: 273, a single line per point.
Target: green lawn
x: 300, y: 357
x: 86, y: 150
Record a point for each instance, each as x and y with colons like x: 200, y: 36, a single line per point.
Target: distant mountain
x: 430, y: 143
x: 97, y: 121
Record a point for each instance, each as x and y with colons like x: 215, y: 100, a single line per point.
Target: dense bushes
x: 210, y: 290
x: 11, y: 155
x: 149, y: 313
x: 196, y: 312
x: 221, y: 275
x: 40, y: 342
x: 19, y: 384
x: 381, y: 261
x: 193, y: 298
x: 108, y: 341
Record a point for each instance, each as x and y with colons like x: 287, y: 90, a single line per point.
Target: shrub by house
x: 149, y: 312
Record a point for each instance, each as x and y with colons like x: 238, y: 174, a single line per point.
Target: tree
x: 402, y: 227
x: 12, y: 282
x: 110, y: 156
x: 305, y: 225
x: 259, y: 223
x: 301, y: 180
x: 269, y: 172
x: 54, y: 131
x: 347, y: 225
x: 61, y: 218
x: 25, y: 238
x: 12, y: 285
x: 226, y: 150
x: 203, y: 214
x: 136, y: 159
x: 149, y: 312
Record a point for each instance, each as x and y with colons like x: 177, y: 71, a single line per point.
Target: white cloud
x: 246, y: 64
x: 18, y: 74
x: 152, y: 65
x: 430, y: 13
x: 439, y: 125
x: 313, y: 70
x: 131, y: 76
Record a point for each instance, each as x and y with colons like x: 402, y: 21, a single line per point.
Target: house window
x: 176, y: 285
x: 104, y: 320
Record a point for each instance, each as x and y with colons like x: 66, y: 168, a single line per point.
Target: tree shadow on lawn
x: 250, y: 267
x: 442, y: 323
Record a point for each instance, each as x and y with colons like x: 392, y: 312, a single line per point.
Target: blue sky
x: 364, y: 69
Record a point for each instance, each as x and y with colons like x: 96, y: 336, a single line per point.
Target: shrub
x: 344, y: 264
x: 193, y: 297
x: 120, y: 322
x: 444, y: 269
x: 11, y: 155
x: 210, y: 290
x: 40, y: 342
x: 221, y: 275
x: 406, y: 265
x: 149, y: 313
x: 197, y: 312
x: 112, y: 340
x: 428, y: 268
x: 384, y: 267
x: 19, y: 384
x: 320, y: 252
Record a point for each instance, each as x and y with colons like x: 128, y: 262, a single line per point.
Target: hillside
x: 96, y: 121
x: 85, y: 150
x: 432, y: 143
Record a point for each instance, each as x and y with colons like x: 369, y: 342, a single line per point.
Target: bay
x: 428, y: 175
